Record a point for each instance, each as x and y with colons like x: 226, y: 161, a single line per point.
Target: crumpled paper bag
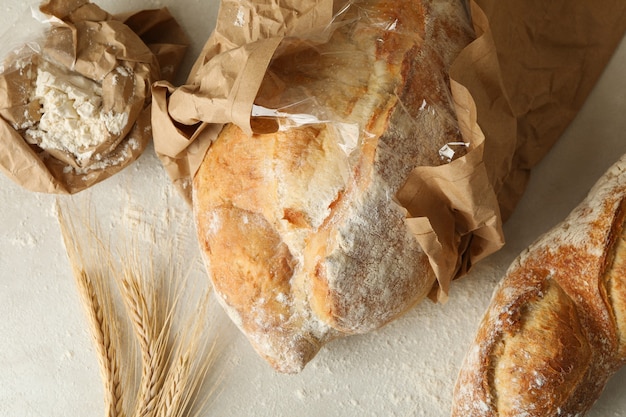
x: 529, y: 72
x: 515, y: 90
x: 124, y: 55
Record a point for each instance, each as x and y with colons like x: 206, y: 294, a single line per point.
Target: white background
x: 47, y: 362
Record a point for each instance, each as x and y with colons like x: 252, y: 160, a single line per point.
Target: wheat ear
x: 103, y: 326
x: 193, y: 356
x: 105, y: 348
x: 140, y: 302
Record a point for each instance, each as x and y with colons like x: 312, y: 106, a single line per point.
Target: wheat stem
x: 102, y: 325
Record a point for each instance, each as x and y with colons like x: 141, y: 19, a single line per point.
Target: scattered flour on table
x: 25, y: 240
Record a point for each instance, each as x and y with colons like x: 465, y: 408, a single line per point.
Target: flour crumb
x: 122, y: 71
x: 24, y: 240
x: 240, y: 20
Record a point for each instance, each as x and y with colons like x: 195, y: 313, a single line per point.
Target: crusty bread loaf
x: 555, y: 330
x: 303, y: 239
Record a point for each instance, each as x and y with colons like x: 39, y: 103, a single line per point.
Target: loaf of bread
x: 555, y: 330
x: 302, y: 236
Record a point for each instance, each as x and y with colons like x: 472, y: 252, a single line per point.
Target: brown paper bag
x: 528, y: 73
x: 515, y: 89
x: 531, y: 69
x: 120, y: 56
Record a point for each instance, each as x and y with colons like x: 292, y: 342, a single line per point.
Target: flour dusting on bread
x: 311, y: 243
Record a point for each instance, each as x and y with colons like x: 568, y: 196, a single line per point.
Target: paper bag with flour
x: 75, y: 97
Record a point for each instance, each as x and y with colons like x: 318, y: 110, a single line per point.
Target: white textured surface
x: 47, y: 363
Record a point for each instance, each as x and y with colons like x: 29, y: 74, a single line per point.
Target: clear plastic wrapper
x: 75, y: 107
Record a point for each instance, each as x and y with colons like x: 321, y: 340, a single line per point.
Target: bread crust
x: 554, y: 331
x: 322, y: 193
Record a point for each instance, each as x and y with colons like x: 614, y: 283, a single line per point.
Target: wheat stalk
x: 173, y: 364
x: 102, y: 324
x: 186, y: 376
x: 173, y: 397
x: 150, y: 344
x: 101, y: 330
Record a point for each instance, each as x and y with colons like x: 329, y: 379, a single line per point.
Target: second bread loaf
x: 555, y: 330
